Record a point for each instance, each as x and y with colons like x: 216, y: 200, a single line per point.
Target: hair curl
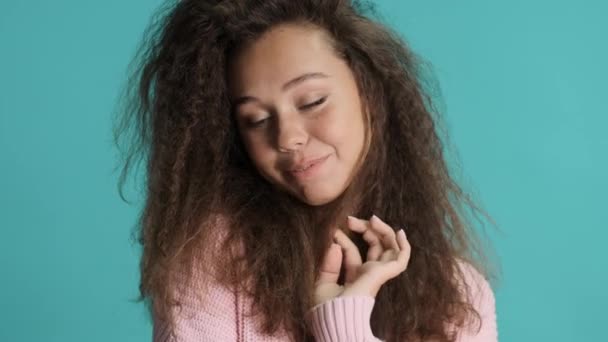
x: 182, y: 127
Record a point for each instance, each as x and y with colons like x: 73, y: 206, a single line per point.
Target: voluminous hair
x: 177, y: 119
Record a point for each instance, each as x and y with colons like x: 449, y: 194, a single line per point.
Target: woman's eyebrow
x: 302, y: 78
x: 289, y: 84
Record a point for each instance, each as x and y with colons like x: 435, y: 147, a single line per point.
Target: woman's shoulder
x: 474, y: 280
x: 476, y: 289
x: 478, y: 292
x: 209, y: 255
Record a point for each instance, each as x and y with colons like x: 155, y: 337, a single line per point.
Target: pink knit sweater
x: 222, y: 314
x: 223, y: 317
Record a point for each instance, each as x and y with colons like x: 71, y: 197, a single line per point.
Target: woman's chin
x: 317, y: 198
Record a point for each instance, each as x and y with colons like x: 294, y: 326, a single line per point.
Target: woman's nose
x: 291, y: 134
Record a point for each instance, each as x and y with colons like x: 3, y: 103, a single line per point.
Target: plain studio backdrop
x: 524, y: 87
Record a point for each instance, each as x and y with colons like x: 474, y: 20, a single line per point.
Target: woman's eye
x: 313, y: 104
x: 257, y: 123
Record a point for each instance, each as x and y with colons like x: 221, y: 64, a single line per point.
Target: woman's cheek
x: 330, y: 126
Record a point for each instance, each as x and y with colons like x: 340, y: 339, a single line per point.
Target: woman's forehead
x: 282, y: 54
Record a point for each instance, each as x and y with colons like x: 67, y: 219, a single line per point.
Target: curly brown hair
x: 177, y: 118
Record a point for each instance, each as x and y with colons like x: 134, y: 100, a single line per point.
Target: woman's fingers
x: 390, y: 252
x: 352, y: 257
x: 374, y: 274
x: 362, y: 226
x: 391, y: 249
x: 405, y: 252
x: 391, y: 264
x: 388, y: 255
x: 380, y: 231
x: 398, y: 259
x: 358, y: 225
x: 387, y: 234
x: 330, y: 266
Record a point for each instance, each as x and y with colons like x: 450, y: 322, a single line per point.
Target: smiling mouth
x: 309, y: 170
x: 304, y: 168
x: 308, y: 165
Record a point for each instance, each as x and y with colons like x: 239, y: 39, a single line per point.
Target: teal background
x: 524, y: 89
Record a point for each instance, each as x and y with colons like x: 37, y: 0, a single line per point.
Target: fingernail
x: 402, y: 232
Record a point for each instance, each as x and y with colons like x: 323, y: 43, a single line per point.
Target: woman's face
x: 298, y: 112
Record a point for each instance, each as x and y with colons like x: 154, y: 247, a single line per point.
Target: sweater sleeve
x: 348, y: 318
x: 343, y: 319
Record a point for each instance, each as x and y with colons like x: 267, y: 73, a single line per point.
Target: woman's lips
x: 310, y: 171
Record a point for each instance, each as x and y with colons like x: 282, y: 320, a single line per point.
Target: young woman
x: 296, y: 183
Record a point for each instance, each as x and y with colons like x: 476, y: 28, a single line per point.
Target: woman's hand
x: 388, y: 255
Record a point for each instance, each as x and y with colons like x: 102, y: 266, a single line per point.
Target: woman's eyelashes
x: 258, y: 123
x: 305, y: 107
x: 313, y: 104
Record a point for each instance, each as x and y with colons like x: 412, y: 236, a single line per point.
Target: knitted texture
x: 223, y: 316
